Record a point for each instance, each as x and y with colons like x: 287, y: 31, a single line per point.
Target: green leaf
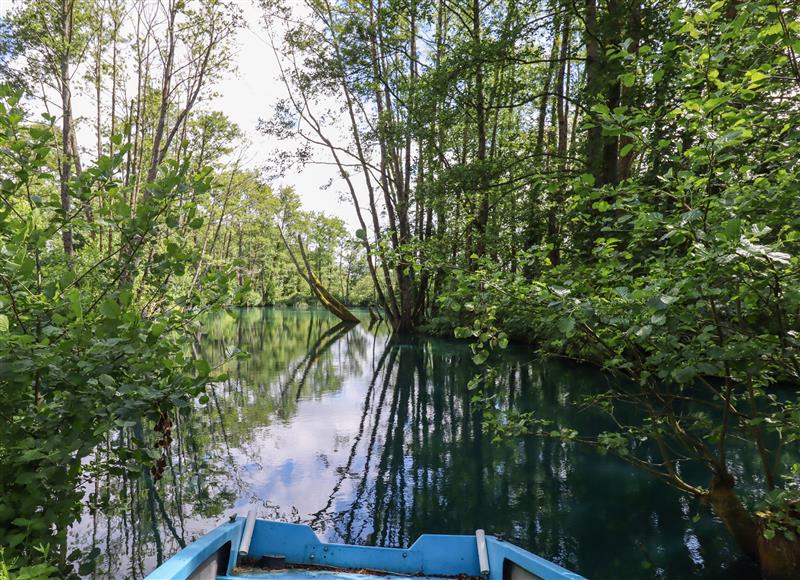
x: 658, y: 319
x: 67, y: 278
x: 480, y: 357
x: 110, y: 309
x: 628, y: 79
x: 462, y: 332
x: 685, y: 375
x: 107, y: 380
x: 626, y: 149
x: 755, y: 75
x: 660, y: 302
x: 172, y: 249
x: 566, y: 325
x: 202, y: 367
x: 733, y: 230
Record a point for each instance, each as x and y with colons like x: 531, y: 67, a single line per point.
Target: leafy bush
x: 92, y: 342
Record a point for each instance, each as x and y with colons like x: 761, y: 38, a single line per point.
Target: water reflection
x: 371, y: 439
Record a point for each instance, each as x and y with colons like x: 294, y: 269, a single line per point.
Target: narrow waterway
x: 372, y: 440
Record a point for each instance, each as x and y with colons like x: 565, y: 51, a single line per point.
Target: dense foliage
x: 615, y: 182
x: 89, y: 345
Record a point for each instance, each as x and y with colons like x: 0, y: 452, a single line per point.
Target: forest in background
x: 615, y: 182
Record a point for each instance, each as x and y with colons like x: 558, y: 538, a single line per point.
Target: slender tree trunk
x: 634, y: 32
x: 614, y: 26
x: 114, y: 52
x: 66, y: 124
x: 387, y: 299
x: 553, y: 228
x: 317, y: 288
x: 166, y: 90
x: 532, y: 228
x: 482, y: 217
x: 404, y: 271
x: 779, y: 557
x: 594, y: 137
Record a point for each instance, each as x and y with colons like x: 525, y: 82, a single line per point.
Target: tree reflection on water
x: 371, y: 439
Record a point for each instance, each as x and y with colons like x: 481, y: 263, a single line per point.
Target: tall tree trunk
x: 387, y: 299
x: 482, y: 217
x: 115, y: 15
x: 533, y: 227
x: 166, y: 90
x: 405, y: 271
x: 66, y: 124
x: 634, y: 32
x: 553, y: 228
x: 779, y: 557
x: 594, y: 137
x: 614, y: 31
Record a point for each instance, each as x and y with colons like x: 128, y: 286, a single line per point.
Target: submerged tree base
x: 779, y: 557
x: 734, y: 515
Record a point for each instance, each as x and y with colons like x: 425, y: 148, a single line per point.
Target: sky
x: 249, y: 94
x: 246, y: 95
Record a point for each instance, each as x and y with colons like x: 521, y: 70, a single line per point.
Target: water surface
x: 372, y: 440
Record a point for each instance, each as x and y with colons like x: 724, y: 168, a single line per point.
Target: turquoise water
x: 373, y: 440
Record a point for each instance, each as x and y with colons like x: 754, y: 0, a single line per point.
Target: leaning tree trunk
x: 322, y: 294
x: 328, y: 300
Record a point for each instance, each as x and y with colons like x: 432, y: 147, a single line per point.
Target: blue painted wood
x: 430, y: 554
x: 290, y: 540
x: 182, y: 564
x: 500, y: 551
x: 429, y: 557
x: 443, y: 553
x: 316, y: 575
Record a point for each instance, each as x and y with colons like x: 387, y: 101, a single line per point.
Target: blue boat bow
x: 283, y: 551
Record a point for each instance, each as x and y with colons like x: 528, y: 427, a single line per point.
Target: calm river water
x: 371, y: 440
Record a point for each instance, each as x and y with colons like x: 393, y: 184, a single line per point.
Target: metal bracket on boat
x: 483, y: 554
x: 247, y: 534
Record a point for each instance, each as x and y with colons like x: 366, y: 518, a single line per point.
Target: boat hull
x: 298, y: 554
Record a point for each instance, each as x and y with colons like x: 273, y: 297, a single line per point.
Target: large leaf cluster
x: 685, y: 279
x: 92, y: 344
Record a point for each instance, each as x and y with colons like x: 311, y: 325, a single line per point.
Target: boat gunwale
x: 429, y: 556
